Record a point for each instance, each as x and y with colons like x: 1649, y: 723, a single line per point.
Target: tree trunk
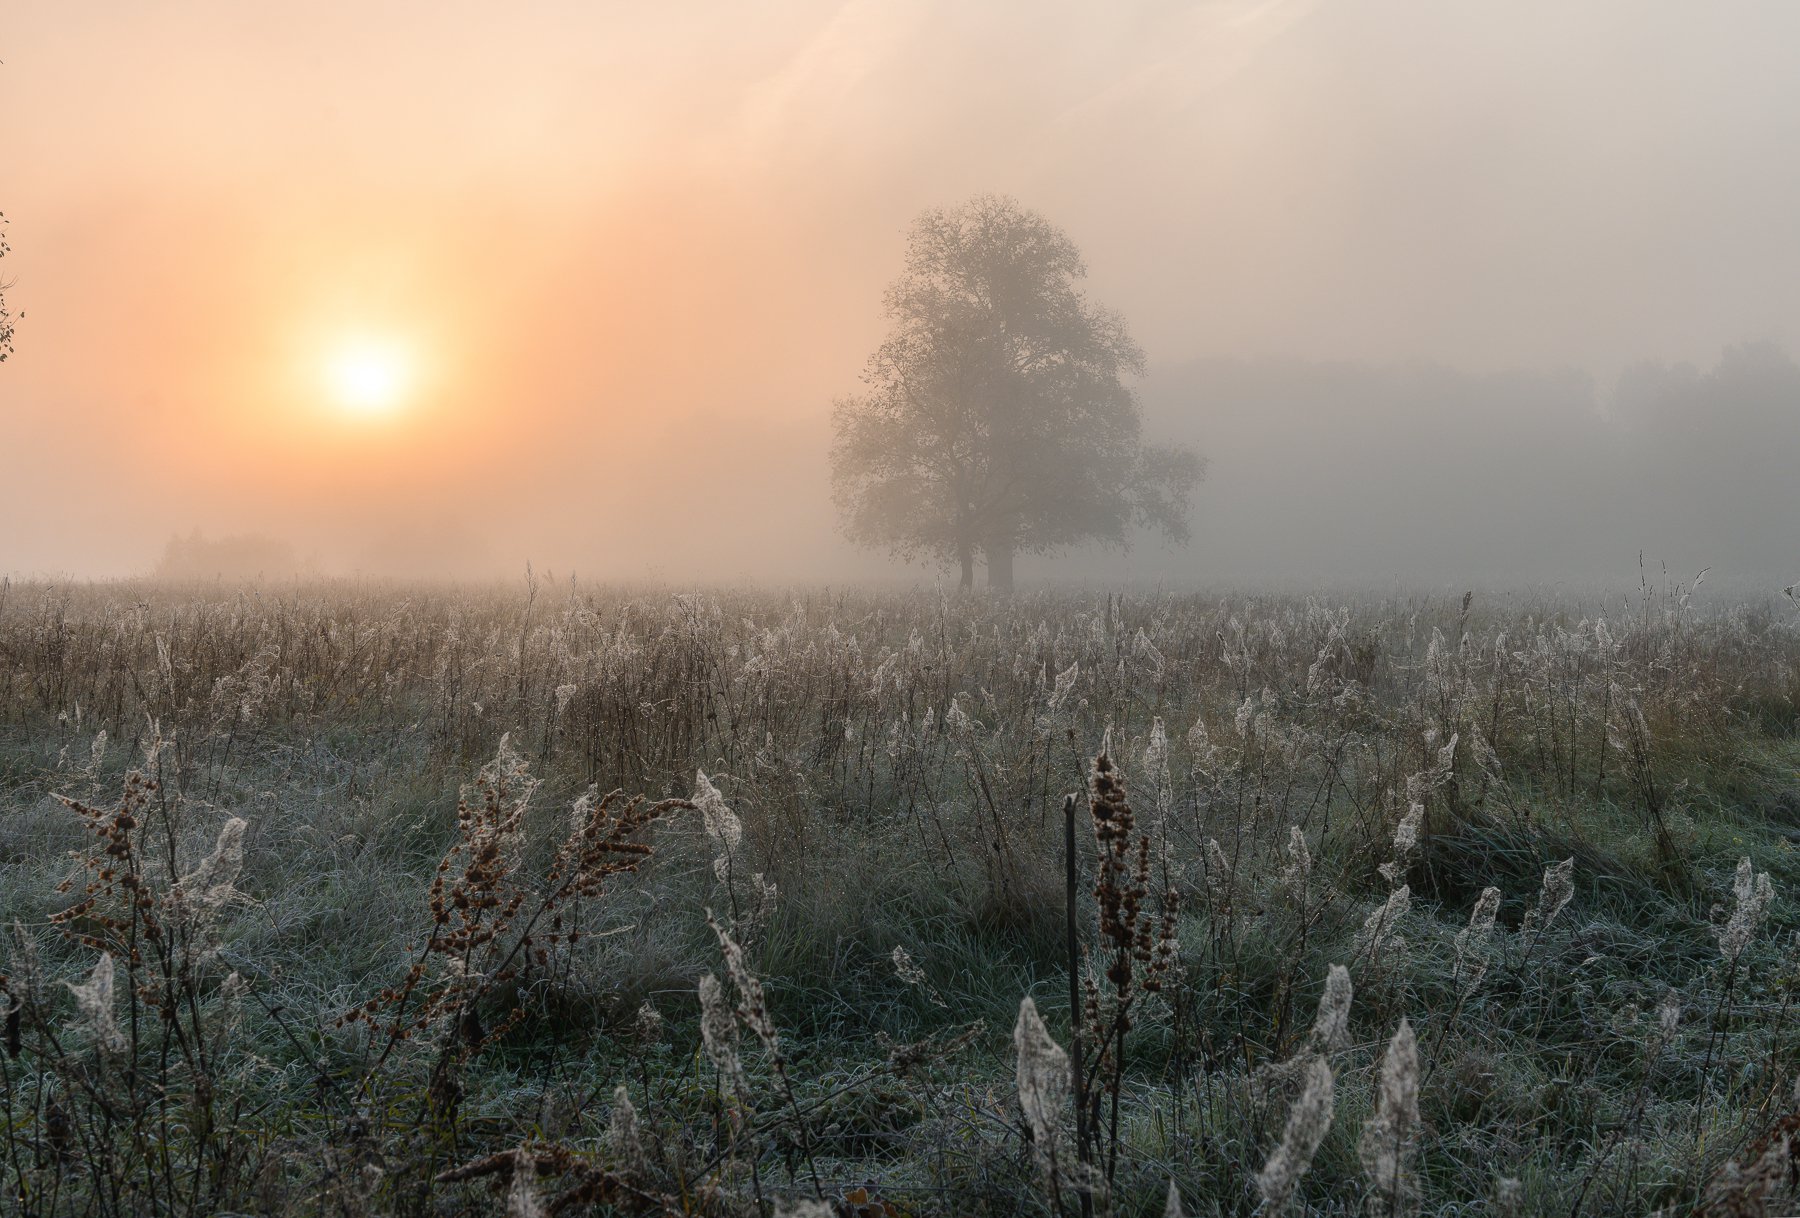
x: 968, y: 570
x: 1000, y: 566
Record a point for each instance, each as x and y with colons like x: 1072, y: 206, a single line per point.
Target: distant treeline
x: 1319, y: 475
x: 1352, y: 472
x: 245, y: 556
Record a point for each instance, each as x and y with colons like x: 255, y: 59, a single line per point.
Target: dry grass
x: 264, y: 964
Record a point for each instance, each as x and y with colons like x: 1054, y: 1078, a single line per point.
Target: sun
x: 370, y: 378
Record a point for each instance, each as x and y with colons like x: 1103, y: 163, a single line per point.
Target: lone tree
x: 997, y: 417
x: 6, y: 319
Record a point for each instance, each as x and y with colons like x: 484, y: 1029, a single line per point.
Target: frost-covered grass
x: 1316, y: 784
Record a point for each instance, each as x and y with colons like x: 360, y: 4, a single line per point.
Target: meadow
x: 345, y: 898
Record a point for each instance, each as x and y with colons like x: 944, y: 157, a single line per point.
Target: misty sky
x: 635, y: 250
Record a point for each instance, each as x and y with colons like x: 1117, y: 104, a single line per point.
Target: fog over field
x: 1442, y: 293
x: 899, y: 609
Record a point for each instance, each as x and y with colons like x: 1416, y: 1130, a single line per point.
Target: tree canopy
x: 997, y: 417
x: 6, y: 319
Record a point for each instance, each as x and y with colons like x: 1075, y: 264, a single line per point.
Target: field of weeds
x: 345, y: 899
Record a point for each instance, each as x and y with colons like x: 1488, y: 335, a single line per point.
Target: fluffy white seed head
x: 1753, y: 893
x: 1331, y: 1026
x: 1043, y: 1079
x: 210, y: 883
x: 1156, y: 767
x: 1406, y: 843
x: 649, y: 1022
x: 719, y: 1035
x: 1484, y: 754
x: 1509, y: 1197
x: 1308, y: 1122
x: 806, y: 1209
x: 1472, y: 941
x: 753, y: 1006
x: 1380, y: 936
x: 1297, y: 869
x: 1218, y: 876
x: 1557, y: 891
x: 521, y: 1193
x: 1668, y: 1019
x: 721, y: 822
x: 27, y: 982
x: 906, y: 969
x: 1204, y: 754
x: 623, y: 1136
x: 94, y: 1003
x: 1386, y: 1145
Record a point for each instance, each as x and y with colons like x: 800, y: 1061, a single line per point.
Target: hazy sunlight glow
x: 369, y: 378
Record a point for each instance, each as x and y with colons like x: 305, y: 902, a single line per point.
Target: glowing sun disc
x: 369, y: 378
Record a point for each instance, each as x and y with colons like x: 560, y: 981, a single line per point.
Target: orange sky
x: 636, y: 249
